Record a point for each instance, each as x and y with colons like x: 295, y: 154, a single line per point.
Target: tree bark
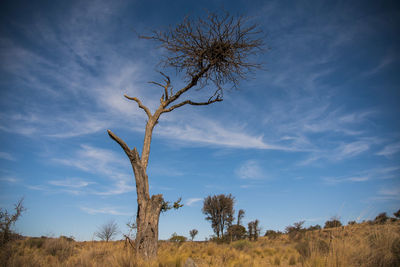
x: 147, y: 226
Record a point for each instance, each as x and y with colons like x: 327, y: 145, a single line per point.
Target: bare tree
x: 8, y: 220
x: 193, y: 233
x: 107, y: 231
x: 219, y: 210
x: 211, y: 53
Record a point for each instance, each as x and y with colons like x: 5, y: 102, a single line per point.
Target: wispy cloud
x: 70, y: 183
x: 10, y: 179
x: 103, y: 162
x: 6, y: 156
x: 364, y: 176
x: 390, y: 150
x: 250, y: 169
x: 192, y: 201
x: 206, y: 131
x: 105, y: 210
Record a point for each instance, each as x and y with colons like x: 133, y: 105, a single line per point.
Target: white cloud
x: 390, y: 150
x: 105, y: 210
x: 201, y: 130
x: 71, y: 183
x: 6, y: 156
x: 10, y: 179
x: 192, y: 201
x: 250, y: 169
x: 102, y: 162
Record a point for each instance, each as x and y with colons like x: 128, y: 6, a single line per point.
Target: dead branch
x: 146, y: 109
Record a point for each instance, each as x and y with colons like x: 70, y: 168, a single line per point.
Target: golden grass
x: 355, y: 245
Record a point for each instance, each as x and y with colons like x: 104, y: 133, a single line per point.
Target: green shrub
x: 179, y: 239
x: 332, y: 223
x: 35, y: 242
x: 381, y: 218
x: 271, y: 234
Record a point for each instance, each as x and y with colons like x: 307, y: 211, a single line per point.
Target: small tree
x: 8, y: 220
x: 314, y: 227
x: 193, y: 233
x: 236, y: 232
x: 295, y: 231
x: 254, y: 230
x: 271, y: 234
x: 219, y: 210
x: 397, y: 214
x: 107, y: 231
x: 179, y: 239
x: 333, y: 222
x: 381, y: 218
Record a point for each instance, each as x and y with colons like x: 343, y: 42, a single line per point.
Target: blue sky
x: 315, y: 134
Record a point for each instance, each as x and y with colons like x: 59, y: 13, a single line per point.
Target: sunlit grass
x: 355, y: 245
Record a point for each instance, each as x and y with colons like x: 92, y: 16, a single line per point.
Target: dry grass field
x: 353, y: 245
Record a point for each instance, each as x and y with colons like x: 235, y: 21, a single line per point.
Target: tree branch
x: 146, y: 109
x: 218, y: 99
x: 192, y: 83
x: 124, y: 146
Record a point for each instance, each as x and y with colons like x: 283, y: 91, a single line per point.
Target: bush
x: 8, y: 220
x: 397, y: 214
x: 332, y: 223
x: 35, y: 242
x: 381, y: 218
x: 271, y: 234
x: 352, y: 223
x: 313, y: 228
x: 236, y: 232
x: 179, y: 239
x: 295, y: 231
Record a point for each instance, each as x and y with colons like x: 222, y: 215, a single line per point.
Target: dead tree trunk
x: 149, y: 208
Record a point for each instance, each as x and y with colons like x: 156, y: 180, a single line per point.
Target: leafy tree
x: 295, y: 231
x: 212, y: 52
x: 381, y: 218
x: 179, y: 239
x: 193, y: 233
x: 314, y: 227
x: 219, y: 210
x: 397, y: 214
x: 107, y: 231
x: 7, y: 221
x: 271, y: 234
x: 236, y: 232
x: 333, y: 222
x: 254, y: 230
